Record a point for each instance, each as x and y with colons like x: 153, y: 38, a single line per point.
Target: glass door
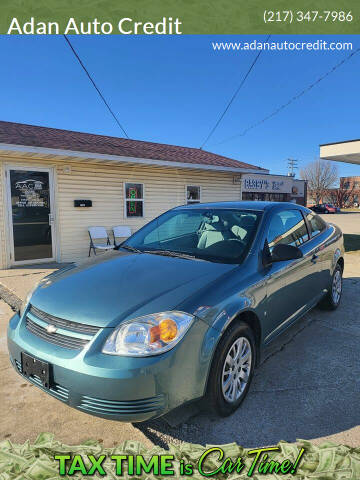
x: 30, y: 194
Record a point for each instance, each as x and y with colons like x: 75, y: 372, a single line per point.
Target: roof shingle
x: 35, y: 136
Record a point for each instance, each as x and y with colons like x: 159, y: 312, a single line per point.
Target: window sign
x: 134, y: 200
x: 31, y: 193
x: 192, y: 194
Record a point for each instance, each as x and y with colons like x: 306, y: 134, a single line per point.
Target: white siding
x: 164, y: 188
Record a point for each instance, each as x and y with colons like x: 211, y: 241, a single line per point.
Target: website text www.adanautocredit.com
x: 283, y: 45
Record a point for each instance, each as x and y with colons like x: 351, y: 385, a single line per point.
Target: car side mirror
x: 283, y: 252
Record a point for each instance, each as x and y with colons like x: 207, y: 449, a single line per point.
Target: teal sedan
x: 182, y: 310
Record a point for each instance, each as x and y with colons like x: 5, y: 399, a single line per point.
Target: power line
x: 234, y: 95
x: 97, y: 89
x: 293, y: 99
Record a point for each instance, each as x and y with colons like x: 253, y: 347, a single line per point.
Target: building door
x: 31, y: 219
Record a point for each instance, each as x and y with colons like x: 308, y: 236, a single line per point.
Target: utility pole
x: 292, y: 164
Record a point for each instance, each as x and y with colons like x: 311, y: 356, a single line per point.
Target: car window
x: 220, y: 235
x: 174, y: 227
x: 316, y: 224
x: 287, y: 226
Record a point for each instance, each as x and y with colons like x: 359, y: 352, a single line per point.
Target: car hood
x: 125, y: 286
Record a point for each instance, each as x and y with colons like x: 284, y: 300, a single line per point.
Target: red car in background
x: 324, y: 208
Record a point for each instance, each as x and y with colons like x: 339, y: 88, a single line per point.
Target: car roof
x: 242, y: 205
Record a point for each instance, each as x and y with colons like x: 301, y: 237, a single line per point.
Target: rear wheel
x: 231, y: 370
x: 332, y: 299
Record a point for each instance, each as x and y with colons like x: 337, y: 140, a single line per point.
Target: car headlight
x: 148, y: 335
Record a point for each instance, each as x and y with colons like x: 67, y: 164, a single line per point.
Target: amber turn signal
x: 165, y: 331
x: 168, y: 330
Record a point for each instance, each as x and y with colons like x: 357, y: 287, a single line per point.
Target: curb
x: 10, y: 297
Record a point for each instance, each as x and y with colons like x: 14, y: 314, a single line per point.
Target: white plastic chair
x: 98, y: 233
x: 121, y: 231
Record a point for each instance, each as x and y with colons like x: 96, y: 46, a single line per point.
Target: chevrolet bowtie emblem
x: 51, y: 329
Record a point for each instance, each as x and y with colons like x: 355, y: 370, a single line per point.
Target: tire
x: 217, y: 397
x: 332, y: 299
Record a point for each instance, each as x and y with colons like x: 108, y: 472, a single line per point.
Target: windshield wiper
x: 131, y: 249
x: 169, y: 253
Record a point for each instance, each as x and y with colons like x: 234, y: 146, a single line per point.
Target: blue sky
x: 172, y: 89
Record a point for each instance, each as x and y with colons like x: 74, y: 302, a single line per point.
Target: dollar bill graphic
x: 36, y: 461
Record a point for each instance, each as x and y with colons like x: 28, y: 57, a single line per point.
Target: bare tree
x: 340, y: 197
x: 320, y: 176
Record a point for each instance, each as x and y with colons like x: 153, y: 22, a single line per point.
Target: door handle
x: 51, y: 219
x: 314, y: 258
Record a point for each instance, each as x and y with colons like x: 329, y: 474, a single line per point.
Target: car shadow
x: 308, y: 388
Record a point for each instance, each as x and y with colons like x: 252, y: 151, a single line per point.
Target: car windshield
x: 218, y: 235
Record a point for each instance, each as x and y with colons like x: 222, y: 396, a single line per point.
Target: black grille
x: 56, y: 338
x: 61, y: 323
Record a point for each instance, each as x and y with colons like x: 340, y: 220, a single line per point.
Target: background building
x: 274, y: 188
x: 346, y: 195
x: 352, y: 186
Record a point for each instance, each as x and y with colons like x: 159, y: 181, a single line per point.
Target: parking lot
x: 308, y: 388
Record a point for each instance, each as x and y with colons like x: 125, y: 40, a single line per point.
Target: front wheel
x: 231, y: 370
x: 332, y: 299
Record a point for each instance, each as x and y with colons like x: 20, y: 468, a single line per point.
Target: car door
x: 290, y: 284
x: 323, y: 256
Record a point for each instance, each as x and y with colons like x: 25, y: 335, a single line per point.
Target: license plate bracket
x: 32, y: 366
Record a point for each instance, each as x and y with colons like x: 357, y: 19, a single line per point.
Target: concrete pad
x: 31, y: 269
x: 349, y: 222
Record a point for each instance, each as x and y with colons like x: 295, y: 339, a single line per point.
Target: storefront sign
x: 266, y: 183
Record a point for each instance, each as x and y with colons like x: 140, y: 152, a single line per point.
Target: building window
x: 134, y: 200
x: 192, y: 194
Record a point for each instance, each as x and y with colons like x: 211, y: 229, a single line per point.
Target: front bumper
x: 119, y: 388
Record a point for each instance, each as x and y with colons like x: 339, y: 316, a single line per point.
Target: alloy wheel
x: 336, y: 287
x: 236, y: 370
